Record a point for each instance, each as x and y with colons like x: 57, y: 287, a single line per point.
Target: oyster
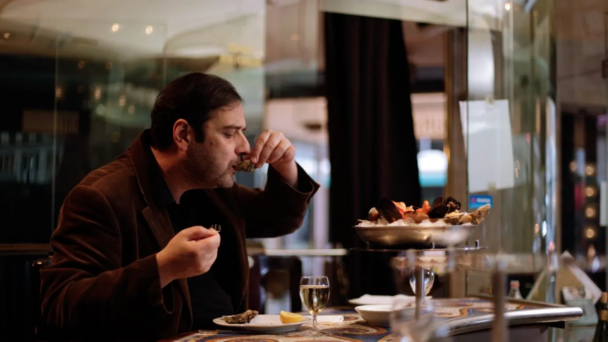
x: 245, y: 165
x: 453, y: 217
x: 388, y: 210
x: 419, y: 217
x: 438, y: 211
x: 244, y: 317
x: 475, y: 217
x: 480, y: 214
x: 452, y: 203
x: 437, y: 202
x: 466, y: 218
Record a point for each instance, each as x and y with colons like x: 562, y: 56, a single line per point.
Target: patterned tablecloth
x: 353, y: 328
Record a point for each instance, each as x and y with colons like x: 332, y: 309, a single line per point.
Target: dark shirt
x: 208, y: 298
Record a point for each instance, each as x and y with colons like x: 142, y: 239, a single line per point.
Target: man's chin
x: 227, y: 182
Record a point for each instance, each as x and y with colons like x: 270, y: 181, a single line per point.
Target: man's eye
x: 229, y: 135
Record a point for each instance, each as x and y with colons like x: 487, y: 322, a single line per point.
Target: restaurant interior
x: 383, y: 99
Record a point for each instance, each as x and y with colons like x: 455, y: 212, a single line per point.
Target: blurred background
x: 408, y: 99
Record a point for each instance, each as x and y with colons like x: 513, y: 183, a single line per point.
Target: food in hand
x: 440, y: 213
x: 244, y: 317
x: 245, y: 165
x: 289, y: 317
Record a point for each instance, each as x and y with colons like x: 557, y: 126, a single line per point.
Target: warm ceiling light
x: 508, y: 6
x: 573, y: 166
x: 590, y: 212
x: 590, y: 191
x: 590, y: 233
x: 590, y: 170
x: 149, y: 29
x: 115, y: 27
x: 6, y: 35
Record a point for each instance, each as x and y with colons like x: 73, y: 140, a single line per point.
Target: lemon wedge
x: 288, y: 317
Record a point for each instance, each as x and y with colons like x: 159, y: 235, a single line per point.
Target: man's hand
x: 273, y: 148
x: 190, y: 253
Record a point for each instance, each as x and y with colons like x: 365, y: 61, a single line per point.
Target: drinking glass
x: 314, y: 293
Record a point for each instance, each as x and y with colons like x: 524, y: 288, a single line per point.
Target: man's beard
x: 203, y: 170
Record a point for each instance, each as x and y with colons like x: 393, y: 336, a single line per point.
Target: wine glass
x: 314, y: 293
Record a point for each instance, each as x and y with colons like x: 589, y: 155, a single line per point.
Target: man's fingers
x: 209, y: 244
x: 197, y: 232
x: 290, y: 154
x: 279, y: 151
x: 271, y: 144
x: 259, y: 145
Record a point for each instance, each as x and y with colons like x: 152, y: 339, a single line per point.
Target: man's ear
x: 180, y: 134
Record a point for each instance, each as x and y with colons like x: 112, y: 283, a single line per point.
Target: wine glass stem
x: 314, y: 322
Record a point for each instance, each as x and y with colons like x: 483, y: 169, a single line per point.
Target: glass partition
x: 509, y: 125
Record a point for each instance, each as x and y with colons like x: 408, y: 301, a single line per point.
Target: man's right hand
x: 190, y: 253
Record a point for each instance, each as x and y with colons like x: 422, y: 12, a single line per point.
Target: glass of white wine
x: 314, y: 293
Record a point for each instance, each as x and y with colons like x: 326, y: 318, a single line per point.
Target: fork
x: 217, y: 227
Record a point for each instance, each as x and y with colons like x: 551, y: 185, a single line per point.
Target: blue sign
x: 478, y: 201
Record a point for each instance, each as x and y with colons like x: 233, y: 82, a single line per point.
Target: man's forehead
x: 232, y: 116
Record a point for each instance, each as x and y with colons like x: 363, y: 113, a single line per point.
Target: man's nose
x: 243, y: 147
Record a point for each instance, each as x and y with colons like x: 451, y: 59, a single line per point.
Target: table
x: 467, y: 318
x: 352, y: 329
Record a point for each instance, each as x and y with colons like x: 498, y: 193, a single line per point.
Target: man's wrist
x: 164, y: 271
x: 288, y: 171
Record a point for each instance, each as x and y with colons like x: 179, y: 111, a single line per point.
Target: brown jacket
x: 103, y: 282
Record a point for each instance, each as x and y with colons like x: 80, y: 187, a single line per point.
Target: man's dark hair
x: 193, y: 97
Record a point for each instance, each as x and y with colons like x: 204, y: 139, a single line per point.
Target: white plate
x: 264, y: 323
x: 379, y: 315
x: 382, y: 300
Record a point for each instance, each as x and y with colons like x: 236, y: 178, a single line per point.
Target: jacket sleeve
x: 277, y: 210
x: 86, y: 286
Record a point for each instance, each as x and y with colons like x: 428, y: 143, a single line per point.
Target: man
x: 133, y: 253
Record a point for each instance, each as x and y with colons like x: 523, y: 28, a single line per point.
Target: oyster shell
x: 241, y: 318
x: 475, y: 217
x: 438, y: 211
x: 419, y: 217
x: 388, y: 210
x: 453, y: 217
x: 437, y: 202
x: 245, y: 165
x: 452, y: 203
x: 480, y: 214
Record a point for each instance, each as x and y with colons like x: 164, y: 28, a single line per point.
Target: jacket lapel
x: 230, y: 216
x: 155, y: 215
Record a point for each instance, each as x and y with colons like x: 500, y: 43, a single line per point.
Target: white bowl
x: 380, y: 315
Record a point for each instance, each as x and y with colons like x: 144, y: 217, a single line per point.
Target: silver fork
x: 217, y: 227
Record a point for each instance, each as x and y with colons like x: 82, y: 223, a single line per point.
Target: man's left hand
x: 273, y: 148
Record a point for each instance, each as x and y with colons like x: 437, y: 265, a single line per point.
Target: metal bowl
x: 391, y: 236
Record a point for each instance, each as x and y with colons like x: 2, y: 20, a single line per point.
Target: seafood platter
x: 394, y: 224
